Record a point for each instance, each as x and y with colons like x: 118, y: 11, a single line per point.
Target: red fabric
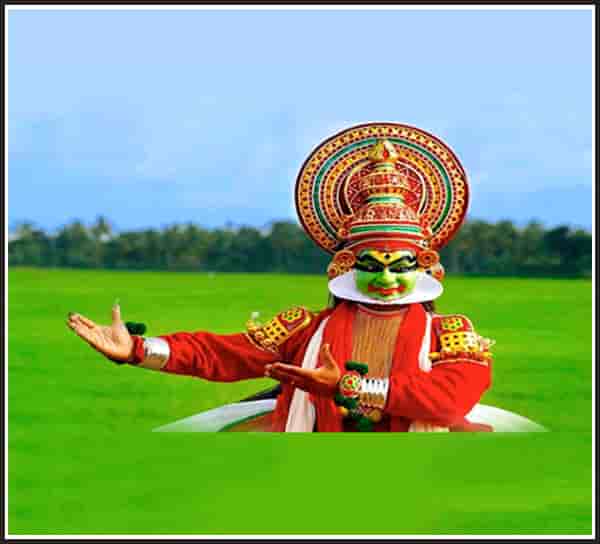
x: 138, y: 350
x: 467, y: 427
x: 223, y: 358
x: 442, y: 396
x: 232, y: 357
x: 338, y: 334
x: 293, y: 353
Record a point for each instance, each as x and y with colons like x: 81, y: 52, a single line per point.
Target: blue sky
x: 156, y: 117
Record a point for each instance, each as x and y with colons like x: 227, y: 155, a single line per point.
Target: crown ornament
x: 384, y: 185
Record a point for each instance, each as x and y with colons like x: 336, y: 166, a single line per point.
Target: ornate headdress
x: 382, y: 185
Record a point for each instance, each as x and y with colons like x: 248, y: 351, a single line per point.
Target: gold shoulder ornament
x: 458, y: 342
x: 274, y: 333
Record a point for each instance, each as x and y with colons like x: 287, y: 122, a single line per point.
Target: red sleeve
x: 442, y: 396
x: 215, y: 357
x: 240, y: 356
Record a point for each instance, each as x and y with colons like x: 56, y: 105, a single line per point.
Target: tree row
x: 479, y: 248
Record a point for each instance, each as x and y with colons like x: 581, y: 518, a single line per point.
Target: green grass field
x: 82, y: 459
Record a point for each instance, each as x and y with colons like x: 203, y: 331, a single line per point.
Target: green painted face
x: 386, y: 275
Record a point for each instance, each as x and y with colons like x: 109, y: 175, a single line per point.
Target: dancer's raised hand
x: 113, y: 341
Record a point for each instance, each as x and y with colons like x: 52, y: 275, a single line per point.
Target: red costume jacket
x: 459, y: 375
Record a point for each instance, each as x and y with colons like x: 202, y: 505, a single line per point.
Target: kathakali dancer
x: 382, y: 198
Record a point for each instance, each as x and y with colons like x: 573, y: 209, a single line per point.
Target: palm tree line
x: 480, y: 248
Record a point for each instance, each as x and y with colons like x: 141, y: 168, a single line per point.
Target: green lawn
x: 82, y: 459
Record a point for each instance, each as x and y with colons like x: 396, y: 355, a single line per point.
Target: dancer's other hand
x: 321, y: 381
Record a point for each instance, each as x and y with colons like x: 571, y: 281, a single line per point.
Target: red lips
x: 386, y: 292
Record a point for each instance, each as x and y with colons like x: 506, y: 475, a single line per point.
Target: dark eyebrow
x: 410, y: 258
x: 402, y: 265
x: 369, y: 259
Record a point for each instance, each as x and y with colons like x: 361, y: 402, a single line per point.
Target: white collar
x: 426, y: 288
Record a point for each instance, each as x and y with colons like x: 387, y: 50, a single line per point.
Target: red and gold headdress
x: 382, y: 185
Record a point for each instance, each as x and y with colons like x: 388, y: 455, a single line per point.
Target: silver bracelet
x: 373, y: 392
x: 156, y: 353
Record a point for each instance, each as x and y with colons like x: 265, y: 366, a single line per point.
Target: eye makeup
x: 368, y: 264
x: 401, y: 265
x: 404, y: 264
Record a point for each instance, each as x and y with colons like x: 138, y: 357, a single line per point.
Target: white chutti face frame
x: 426, y: 288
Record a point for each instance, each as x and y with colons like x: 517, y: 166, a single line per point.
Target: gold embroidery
x: 452, y: 323
x: 463, y: 344
x: 275, y: 332
x: 292, y: 315
x: 460, y: 341
x: 483, y: 362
